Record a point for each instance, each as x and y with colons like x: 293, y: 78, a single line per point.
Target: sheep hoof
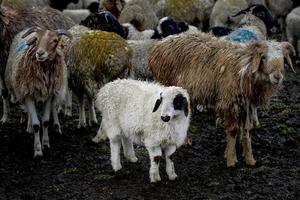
x: 81, y: 125
x: 38, y: 152
x: 116, y: 167
x: 250, y: 161
x: 45, y: 144
x: 172, y: 176
x: 132, y: 159
x: 4, y: 120
x: 231, y: 163
x: 256, y: 124
x: 154, y: 177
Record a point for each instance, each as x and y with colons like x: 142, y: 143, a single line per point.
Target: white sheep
x: 77, y: 15
x: 143, y: 113
x: 36, y: 72
x: 134, y: 34
x: 293, y: 27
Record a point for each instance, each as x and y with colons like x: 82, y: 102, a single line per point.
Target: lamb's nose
x: 165, y: 118
x: 40, y: 52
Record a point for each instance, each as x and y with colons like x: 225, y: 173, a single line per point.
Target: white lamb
x: 144, y: 113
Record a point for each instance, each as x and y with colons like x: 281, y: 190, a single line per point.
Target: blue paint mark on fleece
x: 242, y: 35
x: 22, y: 46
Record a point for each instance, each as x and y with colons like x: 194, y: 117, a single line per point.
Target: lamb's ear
x: 157, y: 104
x: 288, y: 49
x: 185, y: 106
x: 259, y: 52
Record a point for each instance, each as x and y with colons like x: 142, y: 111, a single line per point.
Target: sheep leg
x: 68, y: 104
x: 92, y: 113
x: 55, y: 117
x: 247, y: 149
x: 128, y: 149
x: 4, y: 118
x: 155, y: 154
x: 45, y: 121
x: 170, y: 169
x: 82, y: 119
x: 29, y: 124
x: 255, y: 116
x: 101, y: 135
x: 30, y: 107
x: 115, y: 146
x: 230, y: 152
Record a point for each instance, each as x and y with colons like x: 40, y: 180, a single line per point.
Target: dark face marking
x: 157, y: 103
x: 180, y: 103
x: 169, y: 27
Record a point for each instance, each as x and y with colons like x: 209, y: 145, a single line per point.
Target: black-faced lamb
x: 36, y: 72
x: 143, y: 113
x: 228, y: 76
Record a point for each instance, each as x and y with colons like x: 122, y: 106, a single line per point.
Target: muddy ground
x: 75, y: 168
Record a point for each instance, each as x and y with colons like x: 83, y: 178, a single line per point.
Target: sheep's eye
x: 55, y: 41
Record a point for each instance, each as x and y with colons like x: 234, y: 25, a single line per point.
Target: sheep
x: 94, y: 58
x: 223, y: 10
x: 84, y: 4
x: 192, y: 11
x: 113, y: 6
x: 256, y: 2
x: 150, y: 114
x: 14, y: 20
x: 36, y: 71
x: 140, y: 13
x: 293, y: 28
x: 78, y: 15
x: 104, y: 21
x: 229, y: 76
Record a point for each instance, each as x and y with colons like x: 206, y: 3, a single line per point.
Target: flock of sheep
x: 144, y: 65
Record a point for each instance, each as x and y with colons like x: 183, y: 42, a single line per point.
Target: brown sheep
x: 230, y: 77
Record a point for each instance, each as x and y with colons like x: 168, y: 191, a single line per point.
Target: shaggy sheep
x: 36, y: 71
x: 13, y: 21
x: 78, y: 15
x: 139, y: 13
x: 223, y: 11
x: 231, y: 77
x: 151, y: 114
x: 293, y: 28
x: 104, y: 21
x: 133, y: 34
x: 94, y: 58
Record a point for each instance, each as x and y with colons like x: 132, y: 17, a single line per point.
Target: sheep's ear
x: 119, y: 5
x: 157, y: 104
x: 260, y: 50
x: 288, y: 49
x: 31, y: 41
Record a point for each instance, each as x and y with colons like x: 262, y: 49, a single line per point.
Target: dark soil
x: 75, y: 168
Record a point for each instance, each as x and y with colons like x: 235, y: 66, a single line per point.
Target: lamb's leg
x: 4, y: 118
x: 45, y: 121
x: 92, y: 113
x: 68, y: 103
x: 30, y: 107
x: 115, y: 146
x: 155, y: 157
x: 128, y: 149
x: 101, y: 135
x: 254, y: 115
x: 230, y: 152
x: 55, y: 116
x: 82, y: 119
x: 247, y: 149
x: 170, y: 169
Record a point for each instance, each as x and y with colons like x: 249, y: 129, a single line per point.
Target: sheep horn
x: 31, y: 30
x: 288, y: 49
x: 64, y: 32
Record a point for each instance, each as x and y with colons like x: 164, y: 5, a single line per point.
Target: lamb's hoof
x: 57, y: 128
x: 250, y: 161
x: 81, y: 125
x: 256, y: 124
x: 38, y: 152
x: 231, y: 163
x: 154, y: 177
x: 46, y: 143
x: 132, y: 159
x: 172, y: 176
x: 116, y: 167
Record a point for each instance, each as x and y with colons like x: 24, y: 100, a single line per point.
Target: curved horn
x: 31, y: 30
x: 64, y: 32
x: 288, y: 50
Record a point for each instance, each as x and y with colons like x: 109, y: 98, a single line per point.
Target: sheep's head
x: 113, y: 6
x: 269, y: 60
x: 47, y: 42
x: 174, y: 103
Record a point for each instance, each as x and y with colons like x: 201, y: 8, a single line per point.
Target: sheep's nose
x: 165, y: 118
x: 40, y: 53
x: 277, y: 77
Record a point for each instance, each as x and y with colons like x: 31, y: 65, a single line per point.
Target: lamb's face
x: 173, y: 104
x: 274, y: 60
